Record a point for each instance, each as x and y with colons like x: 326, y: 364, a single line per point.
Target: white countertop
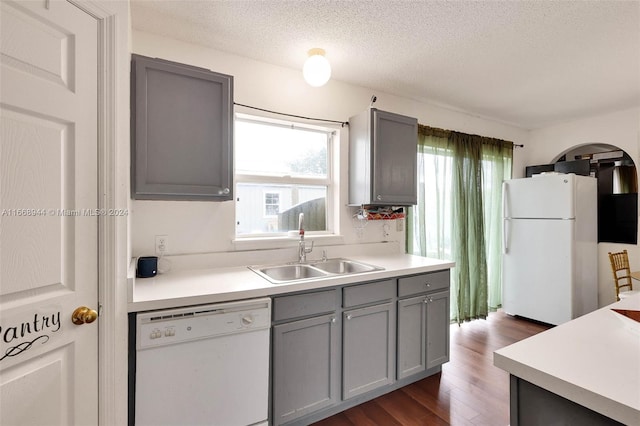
x: 198, y: 286
x: 593, y: 360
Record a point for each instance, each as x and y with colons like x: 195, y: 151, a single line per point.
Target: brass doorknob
x: 83, y: 315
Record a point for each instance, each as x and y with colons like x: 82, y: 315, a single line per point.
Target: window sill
x: 263, y: 243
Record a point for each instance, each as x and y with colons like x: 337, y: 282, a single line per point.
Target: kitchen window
x: 282, y: 169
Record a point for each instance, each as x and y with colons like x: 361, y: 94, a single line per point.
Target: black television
x: 534, y: 170
x: 578, y: 167
x: 617, y: 218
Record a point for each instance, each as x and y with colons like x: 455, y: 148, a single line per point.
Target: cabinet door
x: 395, y: 140
x: 305, y: 367
x: 182, y: 131
x: 438, y: 324
x: 368, y: 349
x: 412, y: 336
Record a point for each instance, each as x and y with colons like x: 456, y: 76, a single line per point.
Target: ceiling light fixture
x: 316, y: 70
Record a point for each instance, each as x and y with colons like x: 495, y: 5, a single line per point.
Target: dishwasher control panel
x: 167, y: 327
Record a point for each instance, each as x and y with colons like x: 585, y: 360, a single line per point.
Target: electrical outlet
x: 385, y: 230
x: 162, y: 244
x: 399, y: 225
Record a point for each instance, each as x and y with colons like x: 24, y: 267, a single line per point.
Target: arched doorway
x: 617, y: 187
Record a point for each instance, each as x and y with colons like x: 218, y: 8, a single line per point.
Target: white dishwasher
x: 203, y: 365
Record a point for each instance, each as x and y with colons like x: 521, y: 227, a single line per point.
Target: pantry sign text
x: 22, y: 334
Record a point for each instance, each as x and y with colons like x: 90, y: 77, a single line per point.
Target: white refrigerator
x: 550, y: 255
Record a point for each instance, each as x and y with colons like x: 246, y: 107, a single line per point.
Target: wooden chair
x: 621, y: 274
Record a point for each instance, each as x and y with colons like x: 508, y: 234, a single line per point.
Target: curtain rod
x: 346, y: 123
x: 470, y: 134
x: 342, y: 123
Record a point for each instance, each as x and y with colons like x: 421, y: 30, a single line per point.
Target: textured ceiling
x: 526, y: 63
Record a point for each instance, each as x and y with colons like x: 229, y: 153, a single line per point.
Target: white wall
x: 622, y: 129
x: 202, y: 227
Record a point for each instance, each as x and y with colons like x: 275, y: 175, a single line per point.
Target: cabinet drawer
x: 304, y: 305
x: 423, y: 283
x: 363, y: 294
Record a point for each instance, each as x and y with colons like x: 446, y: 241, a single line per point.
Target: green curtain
x: 458, y: 216
x: 468, y: 244
x: 429, y: 222
x: 497, y: 165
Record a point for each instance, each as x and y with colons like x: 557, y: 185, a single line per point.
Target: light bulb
x: 316, y: 70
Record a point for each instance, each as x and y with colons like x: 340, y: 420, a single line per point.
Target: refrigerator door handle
x: 504, y: 218
x: 504, y: 199
x: 505, y: 249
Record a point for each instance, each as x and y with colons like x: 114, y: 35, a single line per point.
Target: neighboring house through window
x: 282, y: 169
x: 271, y: 204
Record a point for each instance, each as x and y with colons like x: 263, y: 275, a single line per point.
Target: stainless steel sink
x: 291, y: 272
x: 344, y: 266
x: 279, y: 274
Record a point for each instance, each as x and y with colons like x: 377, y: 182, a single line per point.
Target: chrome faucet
x: 302, y: 248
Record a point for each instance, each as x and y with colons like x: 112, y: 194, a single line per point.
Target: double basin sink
x: 279, y: 274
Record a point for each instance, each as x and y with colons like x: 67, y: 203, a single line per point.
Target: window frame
x: 329, y: 182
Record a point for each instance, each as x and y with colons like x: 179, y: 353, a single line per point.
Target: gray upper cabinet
x: 182, y: 131
x: 382, y: 159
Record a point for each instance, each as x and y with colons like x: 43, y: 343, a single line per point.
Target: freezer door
x: 538, y: 271
x: 546, y: 196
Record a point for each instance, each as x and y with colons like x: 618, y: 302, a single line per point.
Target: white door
x: 48, y: 225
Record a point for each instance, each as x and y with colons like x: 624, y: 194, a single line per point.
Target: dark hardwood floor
x: 469, y: 391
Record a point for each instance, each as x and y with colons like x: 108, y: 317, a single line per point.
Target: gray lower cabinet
x: 305, y: 354
x: 423, y: 323
x: 438, y: 323
x: 305, y: 367
x: 531, y: 405
x: 412, y: 336
x: 338, y: 347
x: 368, y: 349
